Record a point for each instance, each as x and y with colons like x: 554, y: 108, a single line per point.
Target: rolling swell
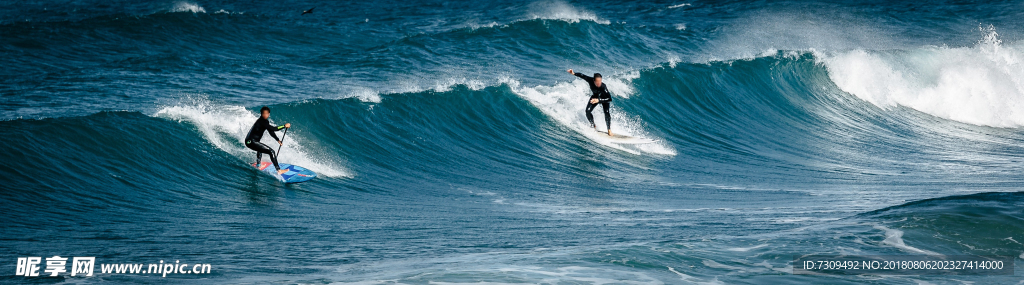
x: 979, y: 224
x: 779, y: 114
x: 129, y: 60
x: 85, y: 163
x: 783, y: 114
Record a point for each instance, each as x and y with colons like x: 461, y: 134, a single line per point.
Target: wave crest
x: 980, y: 85
x: 559, y: 10
x: 187, y: 7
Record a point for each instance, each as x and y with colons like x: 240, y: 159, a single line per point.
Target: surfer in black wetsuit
x: 601, y: 95
x: 252, y: 141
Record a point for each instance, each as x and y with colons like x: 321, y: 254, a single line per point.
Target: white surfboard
x: 624, y: 139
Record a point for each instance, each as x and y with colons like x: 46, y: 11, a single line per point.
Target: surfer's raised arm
x: 581, y: 75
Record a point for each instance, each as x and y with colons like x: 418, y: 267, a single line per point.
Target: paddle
x: 282, y: 142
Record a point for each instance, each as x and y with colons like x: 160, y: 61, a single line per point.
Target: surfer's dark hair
x: 265, y: 108
x: 597, y: 75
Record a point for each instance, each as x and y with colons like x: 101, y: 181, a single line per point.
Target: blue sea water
x: 452, y: 147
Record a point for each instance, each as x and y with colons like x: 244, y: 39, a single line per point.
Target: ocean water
x: 452, y: 146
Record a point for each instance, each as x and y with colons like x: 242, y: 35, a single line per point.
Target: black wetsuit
x: 603, y: 97
x: 252, y: 141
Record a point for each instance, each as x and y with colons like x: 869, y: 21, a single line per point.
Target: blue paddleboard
x: 295, y: 174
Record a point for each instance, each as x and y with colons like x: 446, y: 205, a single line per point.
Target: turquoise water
x: 452, y: 148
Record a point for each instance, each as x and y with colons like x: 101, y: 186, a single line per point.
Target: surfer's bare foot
x: 609, y: 133
x: 282, y: 171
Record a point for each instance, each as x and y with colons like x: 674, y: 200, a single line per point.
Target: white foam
x: 226, y: 126
x: 222, y: 11
x: 894, y: 238
x: 559, y: 10
x: 534, y: 275
x: 694, y: 280
x: 679, y: 5
x: 745, y: 249
x: 1011, y: 239
x: 444, y: 84
x: 673, y: 60
x: 364, y: 94
x: 788, y: 269
x: 580, y: 274
x: 714, y: 264
x: 183, y: 6
x: 981, y: 85
x: 565, y: 102
x: 556, y: 10
x: 492, y: 24
x: 921, y: 282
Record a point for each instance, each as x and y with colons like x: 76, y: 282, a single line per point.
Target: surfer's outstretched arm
x: 584, y: 76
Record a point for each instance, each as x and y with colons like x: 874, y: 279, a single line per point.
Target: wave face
x: 452, y: 146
